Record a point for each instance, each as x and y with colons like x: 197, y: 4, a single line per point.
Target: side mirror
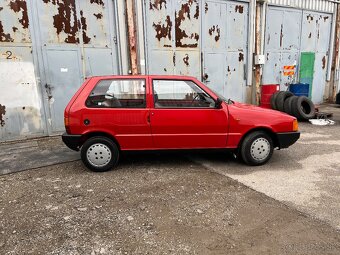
x: 218, y: 103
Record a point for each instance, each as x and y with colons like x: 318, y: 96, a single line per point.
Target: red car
x: 110, y: 114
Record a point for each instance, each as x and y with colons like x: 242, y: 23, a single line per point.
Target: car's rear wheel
x: 257, y: 148
x: 99, y: 154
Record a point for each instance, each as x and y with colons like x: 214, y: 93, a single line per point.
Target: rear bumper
x: 72, y: 141
x: 287, y: 139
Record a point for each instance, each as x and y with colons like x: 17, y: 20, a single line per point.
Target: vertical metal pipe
x: 263, y: 25
x: 336, y: 63
x: 251, y: 41
x: 258, y: 52
x: 331, y: 45
x: 130, y: 10
x: 140, y: 33
x: 122, y: 34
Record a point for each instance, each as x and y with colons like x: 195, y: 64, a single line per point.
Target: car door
x: 185, y: 116
x: 118, y: 107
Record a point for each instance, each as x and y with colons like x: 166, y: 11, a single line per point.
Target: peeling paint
x: 240, y: 57
x: 239, y: 8
x: 2, y: 113
x: 99, y: 2
x: 325, y: 18
x: 268, y: 40
x: 98, y: 15
x: 21, y: 6
x: 214, y: 29
x: 324, y: 62
x: 310, y: 35
x: 66, y: 19
x: 163, y: 31
x: 310, y: 18
x: 14, y: 29
x: 185, y: 14
x: 197, y: 13
x: 86, y: 39
x: 3, y: 36
x: 157, y: 4
x: 206, y: 7
x: 186, y: 60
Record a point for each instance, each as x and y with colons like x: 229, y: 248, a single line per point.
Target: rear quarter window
x: 118, y: 93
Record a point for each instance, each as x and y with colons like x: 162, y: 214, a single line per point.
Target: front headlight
x: 295, y: 125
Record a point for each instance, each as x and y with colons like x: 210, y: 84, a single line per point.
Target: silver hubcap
x: 99, y: 154
x: 260, y: 149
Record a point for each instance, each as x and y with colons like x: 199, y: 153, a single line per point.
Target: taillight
x: 295, y: 125
x: 67, y: 124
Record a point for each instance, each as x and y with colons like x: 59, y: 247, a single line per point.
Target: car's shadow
x: 171, y: 156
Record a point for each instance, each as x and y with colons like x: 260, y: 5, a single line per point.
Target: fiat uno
x: 110, y: 114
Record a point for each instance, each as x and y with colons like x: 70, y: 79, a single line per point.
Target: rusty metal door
x: 316, y: 32
x: 191, y: 37
x: 282, y: 44
x: 290, y: 32
x: 76, y: 39
x: 64, y: 75
x: 21, y: 110
x: 173, y: 40
x: 224, y: 36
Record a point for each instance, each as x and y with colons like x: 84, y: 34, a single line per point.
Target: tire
x: 338, y: 98
x: 303, y: 108
x: 100, y: 154
x: 273, y: 100
x: 287, y: 106
x: 257, y: 148
x: 281, y: 98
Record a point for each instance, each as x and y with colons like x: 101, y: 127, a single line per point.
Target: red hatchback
x: 110, y: 114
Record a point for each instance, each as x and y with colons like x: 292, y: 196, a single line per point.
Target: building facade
x: 48, y: 48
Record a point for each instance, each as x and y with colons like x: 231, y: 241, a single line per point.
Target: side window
x: 180, y: 94
x: 118, y: 94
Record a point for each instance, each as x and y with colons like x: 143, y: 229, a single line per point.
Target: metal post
x: 258, y: 52
x: 132, y: 36
x: 336, y: 56
x: 251, y: 41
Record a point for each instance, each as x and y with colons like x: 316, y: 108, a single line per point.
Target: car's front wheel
x: 99, y: 154
x: 257, y: 148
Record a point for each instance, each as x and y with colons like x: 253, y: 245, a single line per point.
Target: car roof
x: 177, y: 77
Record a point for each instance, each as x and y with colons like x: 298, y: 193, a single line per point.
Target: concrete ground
x: 172, y: 203
x: 29, y: 154
x: 305, y: 176
x: 152, y: 204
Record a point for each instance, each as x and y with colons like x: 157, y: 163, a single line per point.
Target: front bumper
x: 287, y: 139
x: 72, y: 141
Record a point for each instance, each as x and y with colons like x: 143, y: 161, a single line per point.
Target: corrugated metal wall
x: 48, y: 47
x: 315, y: 5
x: 289, y: 32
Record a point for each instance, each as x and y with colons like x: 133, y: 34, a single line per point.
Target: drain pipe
x: 130, y: 10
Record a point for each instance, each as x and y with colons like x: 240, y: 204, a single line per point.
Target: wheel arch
x: 89, y: 135
x: 267, y: 130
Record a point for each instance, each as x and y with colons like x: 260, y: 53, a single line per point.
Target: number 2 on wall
x: 9, y: 54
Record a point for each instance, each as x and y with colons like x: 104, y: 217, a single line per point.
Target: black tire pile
x: 300, y: 107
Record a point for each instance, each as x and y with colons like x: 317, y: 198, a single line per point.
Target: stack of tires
x: 299, y: 106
